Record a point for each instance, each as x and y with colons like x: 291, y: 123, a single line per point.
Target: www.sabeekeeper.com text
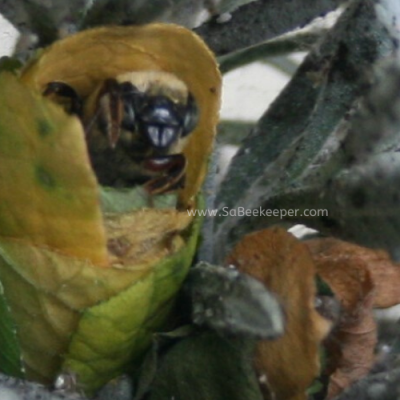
x: 259, y: 212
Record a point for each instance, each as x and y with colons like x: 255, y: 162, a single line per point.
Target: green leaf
x: 91, y: 320
x: 10, y: 356
x: 231, y: 302
x: 10, y: 64
x: 118, y: 330
x: 206, y: 366
x: 161, y: 343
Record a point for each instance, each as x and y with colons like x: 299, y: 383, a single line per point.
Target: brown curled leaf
x: 385, y: 274
x: 351, y: 346
x: 290, y: 363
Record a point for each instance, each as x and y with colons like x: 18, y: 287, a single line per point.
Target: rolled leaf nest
x: 87, y: 274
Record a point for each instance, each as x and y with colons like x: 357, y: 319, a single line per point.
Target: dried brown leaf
x: 351, y: 346
x: 385, y: 274
x: 284, y: 264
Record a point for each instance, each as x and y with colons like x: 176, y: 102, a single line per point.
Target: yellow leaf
x: 47, y: 197
x: 68, y: 311
x: 53, y: 236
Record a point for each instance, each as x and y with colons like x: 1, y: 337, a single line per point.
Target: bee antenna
x: 89, y: 126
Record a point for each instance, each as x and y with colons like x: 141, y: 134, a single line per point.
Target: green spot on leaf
x: 45, y: 179
x: 44, y: 127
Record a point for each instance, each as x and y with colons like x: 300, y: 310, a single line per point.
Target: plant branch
x: 308, y: 112
x: 262, y: 20
x: 275, y: 47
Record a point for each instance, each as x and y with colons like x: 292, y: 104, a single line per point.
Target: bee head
x: 160, y: 111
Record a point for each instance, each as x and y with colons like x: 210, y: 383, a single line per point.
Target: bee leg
x: 172, y: 168
x: 110, y: 107
x: 66, y: 96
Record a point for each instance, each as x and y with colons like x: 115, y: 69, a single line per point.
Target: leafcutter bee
x: 136, y: 126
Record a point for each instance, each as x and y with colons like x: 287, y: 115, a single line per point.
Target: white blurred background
x: 8, y: 37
